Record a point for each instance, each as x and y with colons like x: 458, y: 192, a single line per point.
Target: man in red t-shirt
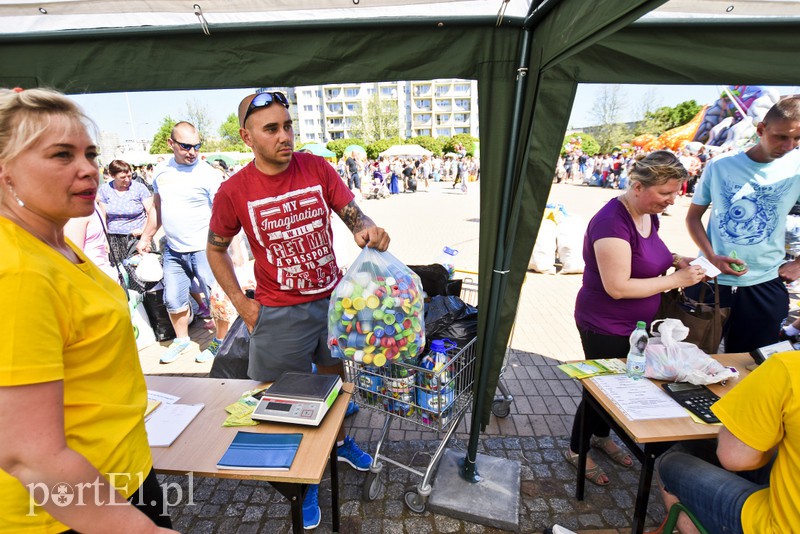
x: 283, y: 200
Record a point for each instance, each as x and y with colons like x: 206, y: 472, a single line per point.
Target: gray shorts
x: 289, y: 338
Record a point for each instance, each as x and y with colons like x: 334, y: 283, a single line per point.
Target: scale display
x: 298, y: 398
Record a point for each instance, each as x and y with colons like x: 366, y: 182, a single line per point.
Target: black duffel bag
x: 153, y: 301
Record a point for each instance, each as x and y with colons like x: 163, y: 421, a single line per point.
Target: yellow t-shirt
x: 763, y: 411
x: 71, y: 323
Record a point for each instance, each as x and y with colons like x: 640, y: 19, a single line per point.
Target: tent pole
x: 469, y: 468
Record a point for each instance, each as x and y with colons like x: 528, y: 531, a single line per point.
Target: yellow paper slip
x: 240, y: 410
x: 588, y: 368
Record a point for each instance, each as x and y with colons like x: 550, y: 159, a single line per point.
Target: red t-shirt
x: 286, y: 218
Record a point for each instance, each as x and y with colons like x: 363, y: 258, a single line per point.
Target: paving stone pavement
x: 535, y: 433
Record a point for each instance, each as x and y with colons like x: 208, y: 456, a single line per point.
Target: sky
x: 137, y: 115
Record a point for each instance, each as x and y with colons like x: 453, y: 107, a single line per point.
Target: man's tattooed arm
x: 354, y: 218
x: 218, y: 241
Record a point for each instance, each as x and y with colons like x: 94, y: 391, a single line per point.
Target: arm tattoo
x: 354, y: 218
x: 217, y: 240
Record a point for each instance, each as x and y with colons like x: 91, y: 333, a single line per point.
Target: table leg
x: 643, y: 495
x: 294, y: 493
x: 583, y: 449
x: 335, y: 487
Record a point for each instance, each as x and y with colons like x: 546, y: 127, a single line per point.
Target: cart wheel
x: 372, y: 486
x: 501, y: 408
x: 415, y: 502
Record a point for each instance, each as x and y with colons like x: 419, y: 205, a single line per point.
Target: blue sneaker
x: 210, y: 352
x: 350, y: 453
x: 352, y: 409
x: 311, y: 513
x: 174, y: 350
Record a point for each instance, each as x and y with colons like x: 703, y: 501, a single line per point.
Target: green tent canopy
x: 527, y: 59
x: 318, y: 150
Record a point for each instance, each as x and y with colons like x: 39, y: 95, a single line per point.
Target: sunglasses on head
x: 187, y: 146
x: 263, y: 100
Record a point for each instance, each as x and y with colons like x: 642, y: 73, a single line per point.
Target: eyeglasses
x: 263, y: 100
x: 187, y: 146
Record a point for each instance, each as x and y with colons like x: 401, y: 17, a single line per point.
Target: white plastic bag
x: 376, y: 313
x: 543, y: 258
x: 671, y: 358
x: 569, y: 237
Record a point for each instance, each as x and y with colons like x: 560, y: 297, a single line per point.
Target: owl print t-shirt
x: 286, y: 218
x: 749, y: 204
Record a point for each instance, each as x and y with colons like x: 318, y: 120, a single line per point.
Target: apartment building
x: 438, y: 108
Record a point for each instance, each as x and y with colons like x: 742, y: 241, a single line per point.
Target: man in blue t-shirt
x: 751, y: 194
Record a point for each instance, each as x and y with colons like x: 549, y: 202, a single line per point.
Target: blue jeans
x: 179, y: 270
x: 714, y: 495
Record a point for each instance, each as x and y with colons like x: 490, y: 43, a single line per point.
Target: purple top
x: 595, y: 310
x: 124, y: 209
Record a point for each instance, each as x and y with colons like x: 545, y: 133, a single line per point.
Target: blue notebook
x: 251, y: 450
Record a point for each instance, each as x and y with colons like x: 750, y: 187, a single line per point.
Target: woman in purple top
x: 623, y: 281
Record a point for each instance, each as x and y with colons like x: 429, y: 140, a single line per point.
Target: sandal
x: 592, y: 474
x: 619, y: 455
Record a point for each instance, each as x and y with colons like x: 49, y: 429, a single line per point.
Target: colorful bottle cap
x: 367, y: 360
x: 379, y: 360
x: 388, y: 318
x: 359, y: 303
x: 373, y: 302
x: 347, y: 303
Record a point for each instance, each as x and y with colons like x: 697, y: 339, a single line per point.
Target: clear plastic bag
x: 375, y: 314
x: 671, y: 358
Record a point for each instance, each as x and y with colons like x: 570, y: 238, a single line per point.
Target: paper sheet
x: 168, y: 421
x: 639, y: 399
x: 163, y: 398
x: 710, y: 268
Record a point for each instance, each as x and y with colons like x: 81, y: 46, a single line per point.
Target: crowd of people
x: 612, y: 170
x: 388, y: 176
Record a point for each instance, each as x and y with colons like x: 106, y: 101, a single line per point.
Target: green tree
x: 466, y: 140
x: 665, y: 118
x: 230, y: 140
x: 338, y: 145
x: 426, y: 141
x: 374, y: 149
x: 589, y: 144
x: 159, y: 145
x: 378, y: 120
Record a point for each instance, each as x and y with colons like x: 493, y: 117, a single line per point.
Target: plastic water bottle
x: 636, y: 357
x: 435, y: 391
x: 448, y: 260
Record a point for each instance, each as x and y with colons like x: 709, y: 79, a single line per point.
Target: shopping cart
x: 435, y: 399
x: 501, y: 405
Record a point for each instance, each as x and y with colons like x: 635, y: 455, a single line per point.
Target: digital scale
x: 298, y: 398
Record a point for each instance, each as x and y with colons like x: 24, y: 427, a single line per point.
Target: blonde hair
x: 657, y: 168
x: 25, y: 115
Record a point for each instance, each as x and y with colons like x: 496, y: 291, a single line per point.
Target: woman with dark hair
x: 623, y: 281
x: 127, y: 204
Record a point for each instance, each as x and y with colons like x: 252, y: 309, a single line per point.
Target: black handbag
x: 705, y: 321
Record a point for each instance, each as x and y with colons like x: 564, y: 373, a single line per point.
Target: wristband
x: 676, y: 260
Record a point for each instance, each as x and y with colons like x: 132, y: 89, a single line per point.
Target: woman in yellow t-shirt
x: 71, y: 388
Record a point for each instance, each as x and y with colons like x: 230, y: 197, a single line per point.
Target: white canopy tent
x: 414, y: 151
